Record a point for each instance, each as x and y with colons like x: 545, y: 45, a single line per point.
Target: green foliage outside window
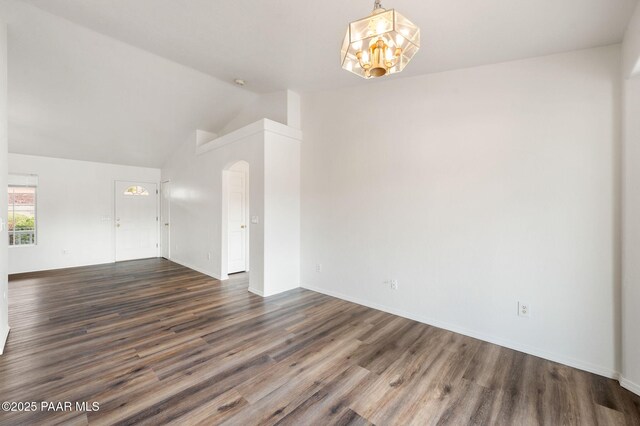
x: 20, y: 222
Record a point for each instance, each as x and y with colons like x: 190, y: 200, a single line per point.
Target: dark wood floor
x: 153, y: 342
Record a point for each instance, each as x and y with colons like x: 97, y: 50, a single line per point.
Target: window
x: 22, y: 210
x: 136, y: 190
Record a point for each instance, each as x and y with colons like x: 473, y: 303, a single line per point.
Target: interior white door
x: 237, y: 223
x: 136, y: 220
x: 165, y: 219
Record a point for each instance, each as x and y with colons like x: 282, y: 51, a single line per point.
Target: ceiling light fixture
x: 240, y: 82
x: 380, y: 44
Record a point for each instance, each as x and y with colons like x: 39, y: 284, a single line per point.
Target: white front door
x: 237, y: 223
x: 136, y: 220
x: 165, y: 219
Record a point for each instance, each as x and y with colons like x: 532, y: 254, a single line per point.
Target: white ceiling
x: 125, y: 81
x: 74, y: 93
x: 294, y: 44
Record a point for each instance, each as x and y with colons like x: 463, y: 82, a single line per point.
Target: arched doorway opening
x: 235, y: 219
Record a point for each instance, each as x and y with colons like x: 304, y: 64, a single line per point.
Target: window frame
x: 35, y: 217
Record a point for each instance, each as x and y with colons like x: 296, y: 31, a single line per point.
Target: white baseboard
x: 202, y: 271
x: 57, y: 268
x: 263, y: 294
x: 256, y: 291
x: 630, y: 386
x: 4, y: 335
x: 581, y: 365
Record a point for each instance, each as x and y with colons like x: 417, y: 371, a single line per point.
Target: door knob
x: 166, y: 224
x: 118, y: 225
x: 242, y: 226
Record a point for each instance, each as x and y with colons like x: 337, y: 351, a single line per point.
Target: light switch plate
x: 255, y: 219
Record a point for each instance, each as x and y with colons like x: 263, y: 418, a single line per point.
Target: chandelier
x: 380, y: 44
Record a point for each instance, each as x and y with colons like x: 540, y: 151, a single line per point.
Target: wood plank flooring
x: 153, y: 343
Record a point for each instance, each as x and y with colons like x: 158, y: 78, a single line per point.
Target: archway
x: 235, y: 219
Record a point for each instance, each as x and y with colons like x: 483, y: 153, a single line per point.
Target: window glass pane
x: 22, y: 215
x: 136, y: 190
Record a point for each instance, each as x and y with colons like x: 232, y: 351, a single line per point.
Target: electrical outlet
x: 318, y: 267
x: 524, y: 309
x: 393, y: 284
x: 208, y: 256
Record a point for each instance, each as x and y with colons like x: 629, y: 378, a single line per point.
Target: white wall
x: 631, y: 236
x: 475, y: 189
x: 196, y: 204
x: 631, y: 211
x: 281, y: 107
x: 4, y: 309
x: 282, y: 213
x: 197, y: 216
x: 75, y: 208
x: 631, y: 46
x: 269, y: 105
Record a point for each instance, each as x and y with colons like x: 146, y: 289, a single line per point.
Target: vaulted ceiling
x: 125, y: 81
x: 279, y: 44
x: 74, y: 93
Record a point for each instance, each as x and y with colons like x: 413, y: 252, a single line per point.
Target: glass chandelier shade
x: 380, y: 44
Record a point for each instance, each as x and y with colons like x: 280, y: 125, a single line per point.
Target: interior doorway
x: 136, y: 223
x: 235, y: 180
x: 165, y: 219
